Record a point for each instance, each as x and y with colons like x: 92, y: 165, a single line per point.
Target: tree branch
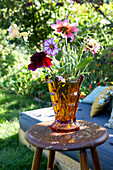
x: 97, y: 9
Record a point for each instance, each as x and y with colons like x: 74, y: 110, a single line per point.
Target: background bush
x: 36, y: 17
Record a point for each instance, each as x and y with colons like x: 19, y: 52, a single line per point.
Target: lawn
x: 13, y: 155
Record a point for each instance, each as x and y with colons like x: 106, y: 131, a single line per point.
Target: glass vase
x: 65, y: 98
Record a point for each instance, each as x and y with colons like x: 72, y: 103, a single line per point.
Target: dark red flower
x: 40, y: 93
x: 39, y: 60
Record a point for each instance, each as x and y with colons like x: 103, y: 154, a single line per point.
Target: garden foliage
x: 35, y: 17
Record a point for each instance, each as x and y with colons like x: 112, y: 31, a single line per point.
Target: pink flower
x: 65, y: 29
x: 50, y: 47
x: 39, y: 60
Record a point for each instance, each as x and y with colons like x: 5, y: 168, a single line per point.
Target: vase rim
x: 72, y: 80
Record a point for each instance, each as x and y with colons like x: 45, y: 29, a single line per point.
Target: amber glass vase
x: 64, y: 97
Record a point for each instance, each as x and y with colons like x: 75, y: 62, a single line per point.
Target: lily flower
x: 92, y: 45
x: 13, y: 31
x: 39, y: 60
x: 65, y: 29
x: 25, y: 35
x: 12, y: 28
x: 51, y: 47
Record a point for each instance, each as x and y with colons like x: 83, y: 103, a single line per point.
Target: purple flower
x: 50, y: 47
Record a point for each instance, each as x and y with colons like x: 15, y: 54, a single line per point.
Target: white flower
x: 25, y: 35
x: 12, y: 28
x: 13, y: 31
x: 61, y: 79
x: 92, y: 45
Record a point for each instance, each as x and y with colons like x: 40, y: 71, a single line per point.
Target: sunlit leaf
x: 84, y: 63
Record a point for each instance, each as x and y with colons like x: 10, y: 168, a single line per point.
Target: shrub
x: 31, y: 16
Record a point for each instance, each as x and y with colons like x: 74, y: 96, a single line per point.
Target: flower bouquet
x: 70, y: 56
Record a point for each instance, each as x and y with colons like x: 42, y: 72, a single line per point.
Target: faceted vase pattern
x: 64, y: 97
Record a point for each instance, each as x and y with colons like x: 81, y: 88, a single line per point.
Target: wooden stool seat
x: 88, y: 136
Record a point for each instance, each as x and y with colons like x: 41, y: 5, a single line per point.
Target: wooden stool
x: 88, y: 136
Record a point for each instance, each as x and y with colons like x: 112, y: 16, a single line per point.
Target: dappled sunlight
x: 13, y: 104
x: 9, y: 128
x: 111, y: 135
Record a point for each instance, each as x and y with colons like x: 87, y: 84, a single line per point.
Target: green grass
x: 13, y: 155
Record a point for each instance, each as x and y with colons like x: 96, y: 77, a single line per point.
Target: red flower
x: 90, y: 86
x: 40, y: 93
x: 98, y: 83
x: 93, y: 71
x: 38, y: 60
x: 82, y: 96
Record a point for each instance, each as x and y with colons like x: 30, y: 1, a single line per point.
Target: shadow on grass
x: 15, y: 156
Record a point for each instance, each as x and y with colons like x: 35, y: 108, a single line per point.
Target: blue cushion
x: 93, y: 95
x: 105, y: 151
x: 30, y: 118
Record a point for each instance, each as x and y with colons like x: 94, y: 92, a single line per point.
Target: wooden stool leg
x: 95, y: 158
x: 50, y: 165
x: 37, y: 159
x: 83, y: 160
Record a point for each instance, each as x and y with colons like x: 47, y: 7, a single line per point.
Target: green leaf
x: 84, y: 63
x: 59, y: 55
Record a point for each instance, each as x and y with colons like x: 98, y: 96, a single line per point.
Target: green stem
x: 83, y: 48
x: 80, y: 57
x: 67, y: 57
x: 52, y: 70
